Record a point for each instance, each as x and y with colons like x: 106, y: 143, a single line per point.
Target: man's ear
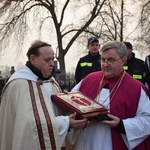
x: 124, y: 60
x: 32, y: 59
x: 87, y: 47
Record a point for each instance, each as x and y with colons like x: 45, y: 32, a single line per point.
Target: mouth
x: 50, y: 69
x: 106, y: 70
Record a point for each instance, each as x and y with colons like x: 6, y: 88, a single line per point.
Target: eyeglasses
x: 109, y: 61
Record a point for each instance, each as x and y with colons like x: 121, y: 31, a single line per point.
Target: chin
x: 46, y: 75
x: 107, y: 75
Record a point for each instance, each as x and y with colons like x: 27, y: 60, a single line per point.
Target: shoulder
x: 93, y: 76
x: 84, y: 57
x: 133, y: 83
x: 138, y: 60
x: 147, y: 57
x: 17, y: 83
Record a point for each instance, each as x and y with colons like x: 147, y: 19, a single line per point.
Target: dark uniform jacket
x: 136, y: 68
x: 147, y: 65
x: 86, y: 65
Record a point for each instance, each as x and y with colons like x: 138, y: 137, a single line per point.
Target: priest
x: 28, y: 118
x: 127, y: 125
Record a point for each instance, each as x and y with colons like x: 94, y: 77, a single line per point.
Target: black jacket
x: 147, y: 65
x: 86, y: 65
x: 136, y: 68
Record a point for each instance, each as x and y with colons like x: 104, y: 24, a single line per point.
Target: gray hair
x: 118, y: 46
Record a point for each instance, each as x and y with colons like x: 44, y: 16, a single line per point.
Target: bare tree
x: 17, y: 14
x: 145, y: 28
x: 116, y: 20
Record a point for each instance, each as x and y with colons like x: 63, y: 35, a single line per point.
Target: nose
x: 51, y: 63
x: 106, y: 63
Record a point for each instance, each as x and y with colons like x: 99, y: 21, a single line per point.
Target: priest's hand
x: 65, y: 91
x: 112, y: 123
x: 77, y: 123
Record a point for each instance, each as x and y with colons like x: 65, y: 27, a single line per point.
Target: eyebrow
x: 107, y: 58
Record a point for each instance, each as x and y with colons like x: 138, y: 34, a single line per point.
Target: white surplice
x: 17, y: 124
x: 98, y: 136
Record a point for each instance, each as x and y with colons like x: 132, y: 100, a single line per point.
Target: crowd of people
x: 110, y: 74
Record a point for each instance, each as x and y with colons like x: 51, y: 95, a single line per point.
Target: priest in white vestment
x: 28, y: 118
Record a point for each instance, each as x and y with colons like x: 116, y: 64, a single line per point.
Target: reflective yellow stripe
x: 137, y: 76
x: 83, y: 64
x: 125, y: 67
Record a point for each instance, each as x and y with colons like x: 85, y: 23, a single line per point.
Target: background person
x: 134, y: 66
x: 147, y: 65
x: 127, y: 100
x: 28, y: 119
x: 90, y: 62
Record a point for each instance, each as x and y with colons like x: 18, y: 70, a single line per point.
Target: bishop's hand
x: 113, y: 122
x: 77, y: 123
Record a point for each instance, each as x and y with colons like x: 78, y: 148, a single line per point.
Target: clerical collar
x: 106, y: 86
x: 36, y: 71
